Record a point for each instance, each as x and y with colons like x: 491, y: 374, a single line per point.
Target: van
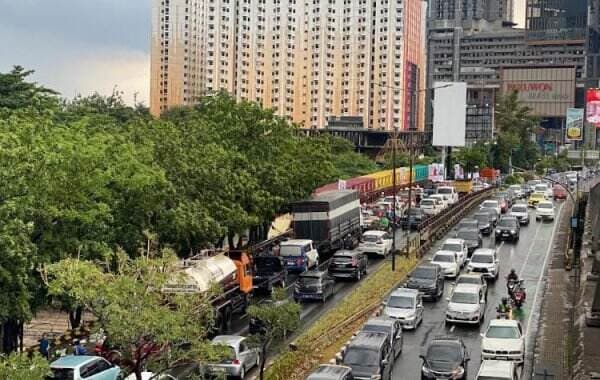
x: 299, y: 255
x: 449, y: 194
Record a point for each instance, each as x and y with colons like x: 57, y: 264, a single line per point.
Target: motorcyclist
x: 503, y: 307
x: 512, y: 279
x: 512, y: 276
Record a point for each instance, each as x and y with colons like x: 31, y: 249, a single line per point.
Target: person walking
x: 44, y: 348
x: 78, y: 348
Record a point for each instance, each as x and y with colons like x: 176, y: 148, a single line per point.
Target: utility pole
x: 395, y: 191
x: 410, y: 185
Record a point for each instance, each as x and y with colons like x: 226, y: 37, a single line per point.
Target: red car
x: 559, y: 192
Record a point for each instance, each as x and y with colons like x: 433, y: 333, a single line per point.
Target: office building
x: 592, y: 53
x: 551, y: 21
x: 307, y: 59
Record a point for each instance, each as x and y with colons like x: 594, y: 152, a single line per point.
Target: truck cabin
x: 243, y: 269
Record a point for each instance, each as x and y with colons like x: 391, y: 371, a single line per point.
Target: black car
x: 445, y: 358
x: 268, y: 271
x: 412, y: 218
x: 494, y: 216
x: 508, y: 228
x: 370, y: 356
x: 331, y: 372
x: 428, y: 279
x: 313, y: 285
x: 348, y: 264
x: 390, y: 326
x: 472, y: 238
x: 485, y: 222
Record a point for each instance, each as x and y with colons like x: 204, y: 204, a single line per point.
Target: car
x: 348, y: 264
x: 507, y: 196
x: 508, y: 228
x: 502, y: 202
x: 459, y: 247
x: 503, y: 340
x: 390, y: 326
x: 485, y: 222
x: 314, y: 285
x: 497, y: 370
x: 299, y: 255
x: 406, y: 305
x: 428, y: 279
x: 517, y: 190
x: 448, y: 261
x: 471, y: 237
x: 331, y: 372
x: 449, y: 193
x: 268, y: 271
x: 544, y: 211
x: 485, y: 261
x: 376, y: 242
x: 491, y: 203
x: 80, y: 367
x: 521, y: 212
x: 466, y: 305
x: 535, y: 198
x: 183, y: 371
x: 543, y: 189
x: 559, y: 192
x: 473, y: 278
x: 370, y: 356
x: 431, y: 206
x: 526, y: 190
x: 412, y: 218
x: 494, y: 214
x: 240, y: 358
x: 445, y: 358
x: 440, y: 198
x: 467, y: 223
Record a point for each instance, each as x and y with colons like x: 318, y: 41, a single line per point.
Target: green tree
x: 17, y: 93
x: 474, y: 156
x: 347, y: 162
x: 19, y: 366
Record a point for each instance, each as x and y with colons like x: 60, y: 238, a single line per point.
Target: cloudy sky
x: 79, y: 46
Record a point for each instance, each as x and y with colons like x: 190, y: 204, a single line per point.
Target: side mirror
x: 384, y: 362
x: 482, y: 335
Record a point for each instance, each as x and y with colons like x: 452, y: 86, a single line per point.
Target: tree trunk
x: 265, y: 231
x: 263, y: 358
x: 230, y: 240
x: 11, y: 330
x: 75, y: 317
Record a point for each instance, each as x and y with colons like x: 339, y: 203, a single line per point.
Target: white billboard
x: 449, y: 113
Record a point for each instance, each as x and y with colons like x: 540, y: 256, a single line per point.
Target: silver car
x: 241, y: 357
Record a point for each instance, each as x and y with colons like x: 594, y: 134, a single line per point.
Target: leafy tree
x: 348, y: 163
x: 279, y: 318
x: 18, y: 366
x: 474, y: 156
x: 16, y: 93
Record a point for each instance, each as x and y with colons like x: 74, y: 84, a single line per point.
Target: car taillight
x: 235, y: 361
x: 299, y: 261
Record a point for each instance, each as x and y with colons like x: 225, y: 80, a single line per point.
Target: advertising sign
x: 574, y: 124
x: 592, y: 106
x: 449, y: 113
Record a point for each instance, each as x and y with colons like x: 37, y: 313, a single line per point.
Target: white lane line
x: 542, y: 272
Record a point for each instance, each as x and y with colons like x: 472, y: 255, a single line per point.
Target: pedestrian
x: 78, y: 348
x: 44, y: 346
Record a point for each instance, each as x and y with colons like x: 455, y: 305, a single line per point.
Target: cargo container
x: 463, y: 186
x: 489, y: 173
x: 420, y: 173
x: 383, y: 179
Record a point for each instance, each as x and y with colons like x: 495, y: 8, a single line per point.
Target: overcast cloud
x: 79, y: 46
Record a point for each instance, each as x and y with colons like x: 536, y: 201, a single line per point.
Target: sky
x: 79, y: 46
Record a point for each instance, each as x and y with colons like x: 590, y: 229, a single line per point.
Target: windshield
x: 361, y: 357
x: 267, y: 264
x: 503, y: 332
x: 342, y: 259
x: 309, y: 281
x: 443, y: 353
x: 401, y: 302
x: 483, y: 259
x: 376, y: 328
x: 62, y: 374
x: 443, y: 259
x: 369, y: 238
x: 544, y: 205
x: 451, y: 247
x: 507, y: 223
x: 427, y: 202
x: 290, y: 250
x: 459, y: 297
x: 468, y: 235
x: 444, y: 190
x: 468, y: 280
x: 515, y: 187
x: 423, y: 273
x: 541, y: 188
x: 491, y: 204
x: 482, y: 218
x: 493, y: 377
x: 519, y: 209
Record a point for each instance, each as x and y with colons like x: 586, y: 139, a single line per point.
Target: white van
x: 449, y: 194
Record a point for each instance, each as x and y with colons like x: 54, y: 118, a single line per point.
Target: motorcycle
x: 503, y: 314
x: 516, y: 290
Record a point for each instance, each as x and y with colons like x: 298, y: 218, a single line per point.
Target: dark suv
x: 485, y: 222
x: 508, y: 228
x: 331, y: 372
x: 370, y: 356
x: 445, y: 358
x: 390, y: 326
x: 348, y: 264
x: 472, y: 238
x: 428, y: 279
x: 314, y: 285
x: 412, y: 218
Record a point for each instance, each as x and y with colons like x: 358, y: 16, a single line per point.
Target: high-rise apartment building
x: 592, y: 52
x: 307, y: 59
x: 465, y: 13
x: 556, y: 20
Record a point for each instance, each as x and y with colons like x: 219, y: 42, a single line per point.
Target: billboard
x: 548, y: 91
x: 592, y: 106
x: 574, y: 124
x: 449, y: 113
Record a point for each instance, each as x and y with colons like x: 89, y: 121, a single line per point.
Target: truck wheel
x: 358, y: 275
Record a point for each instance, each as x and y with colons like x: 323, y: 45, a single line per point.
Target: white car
x: 503, y: 340
x: 498, y: 370
x: 466, y: 305
x: 491, y: 204
x: 473, y: 279
x: 457, y: 246
x: 521, y: 212
x: 431, y: 206
x: 449, y: 194
x: 517, y: 191
x: 544, y: 189
x: 485, y: 261
x: 544, y: 211
x: 441, y: 198
x: 377, y: 242
x: 405, y: 305
x: 448, y: 261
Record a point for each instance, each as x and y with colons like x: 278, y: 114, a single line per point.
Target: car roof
x: 467, y: 288
x: 329, y: 371
x: 506, y: 217
x: 471, y: 274
x: 428, y: 266
x: 484, y: 251
x: 468, y: 229
x: 374, y: 232
x: 368, y: 339
x: 454, y: 240
x: 445, y: 253
x: 446, y: 340
x: 404, y: 292
x: 72, y: 361
x: 296, y: 242
x: 490, y: 200
x: 232, y: 340
x: 496, y: 367
x: 537, y: 195
x: 313, y: 273
x: 380, y: 321
x: 504, y: 322
x: 345, y: 252
x: 545, y: 202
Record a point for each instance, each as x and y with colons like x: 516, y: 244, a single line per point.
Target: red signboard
x: 592, y: 106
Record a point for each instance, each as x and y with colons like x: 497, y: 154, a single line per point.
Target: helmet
x: 512, y: 271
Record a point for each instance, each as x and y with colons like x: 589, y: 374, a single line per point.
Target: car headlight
x: 458, y: 371
x: 513, y: 231
x: 498, y: 231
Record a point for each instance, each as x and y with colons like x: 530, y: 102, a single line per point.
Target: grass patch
x: 308, y: 354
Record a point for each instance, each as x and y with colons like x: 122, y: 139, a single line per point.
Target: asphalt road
x: 528, y: 257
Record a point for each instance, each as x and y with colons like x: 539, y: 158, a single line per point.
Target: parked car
x: 449, y: 194
x: 376, y: 242
x: 299, y: 255
x: 535, y: 198
x: 412, y: 218
x: 491, y: 203
x: 466, y: 305
x: 331, y: 372
x: 473, y: 278
x: 348, y: 264
x: 448, y: 261
x: 503, y: 340
x: 497, y: 370
x: 445, y: 358
x: 508, y: 228
x: 431, y: 206
x: 428, y: 279
x: 183, y: 371
x: 485, y: 261
x: 521, y: 212
x: 544, y: 211
x: 467, y: 223
x: 370, y: 356
x: 485, y: 222
x: 268, y: 271
x: 457, y: 246
x: 241, y: 357
x: 406, y: 305
x: 471, y: 237
x: 559, y: 192
x: 390, y: 326
x: 82, y: 367
x: 314, y: 285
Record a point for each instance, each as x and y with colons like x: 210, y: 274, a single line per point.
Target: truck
x: 327, y: 219
x: 463, y: 186
x: 230, y: 271
x: 269, y: 271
